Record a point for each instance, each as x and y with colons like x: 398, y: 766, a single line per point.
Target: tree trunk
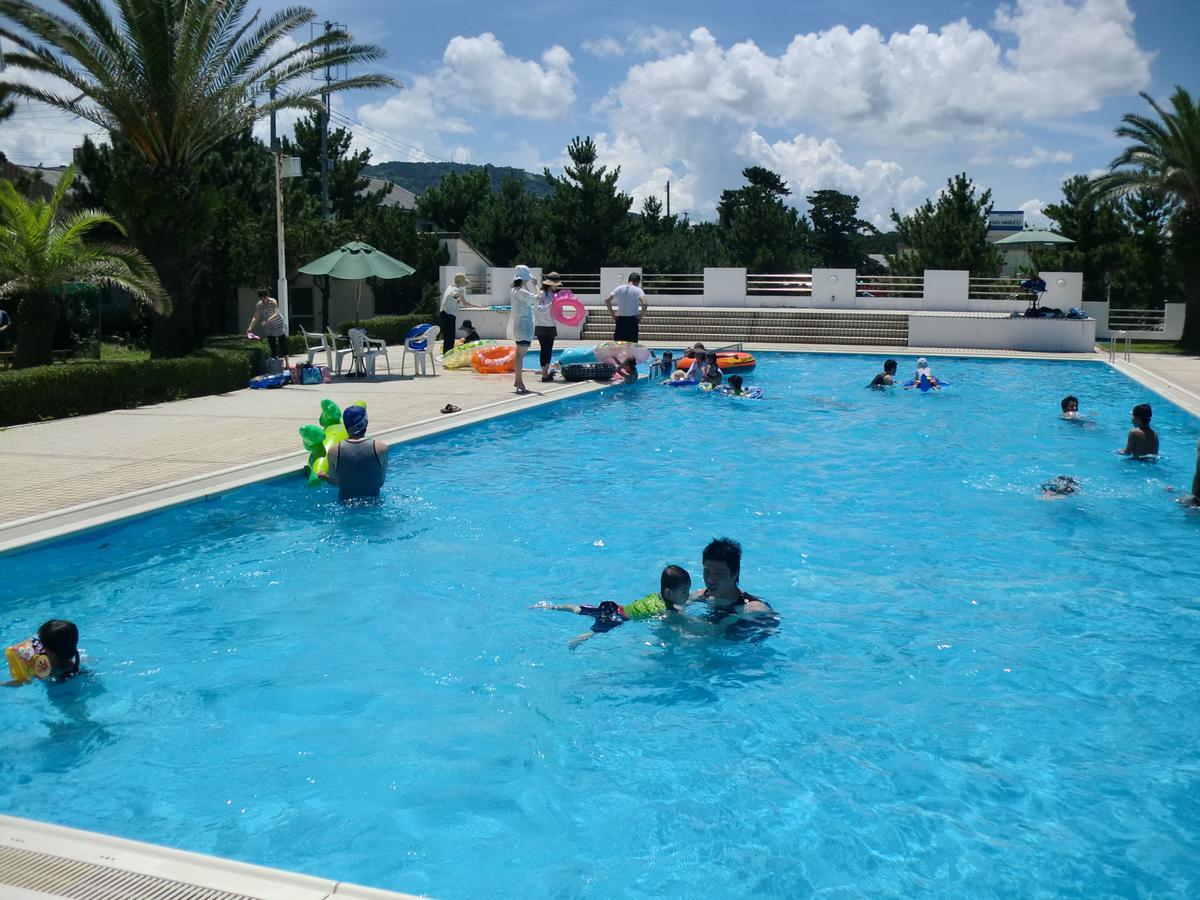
x: 36, y: 318
x: 167, y: 218
x: 1186, y: 240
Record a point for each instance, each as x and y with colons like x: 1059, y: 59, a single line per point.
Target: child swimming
x: 53, y: 654
x: 675, y: 584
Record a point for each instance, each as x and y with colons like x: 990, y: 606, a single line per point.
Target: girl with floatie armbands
x: 52, y: 654
x: 675, y: 584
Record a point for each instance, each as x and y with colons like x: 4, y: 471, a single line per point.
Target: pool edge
x: 57, y: 858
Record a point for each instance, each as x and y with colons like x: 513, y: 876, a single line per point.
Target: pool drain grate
x: 58, y: 876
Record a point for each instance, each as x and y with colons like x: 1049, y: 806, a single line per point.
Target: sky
x: 880, y: 99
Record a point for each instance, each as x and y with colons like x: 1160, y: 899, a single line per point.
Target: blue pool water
x: 974, y: 692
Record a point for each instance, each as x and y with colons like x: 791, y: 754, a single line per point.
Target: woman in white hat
x: 454, y: 299
x: 522, y: 299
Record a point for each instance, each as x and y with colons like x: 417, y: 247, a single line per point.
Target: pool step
x: 791, y: 326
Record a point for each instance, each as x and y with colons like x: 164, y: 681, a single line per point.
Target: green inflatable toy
x: 320, y: 439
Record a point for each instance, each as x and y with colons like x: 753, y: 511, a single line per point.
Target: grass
x: 122, y: 353
x: 1147, y: 346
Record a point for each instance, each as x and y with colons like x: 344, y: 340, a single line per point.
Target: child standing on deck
x: 674, y: 586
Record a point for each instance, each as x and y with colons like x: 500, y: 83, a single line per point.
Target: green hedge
x: 90, y: 386
x: 389, y: 328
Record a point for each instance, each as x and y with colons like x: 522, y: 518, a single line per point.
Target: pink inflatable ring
x: 564, y: 301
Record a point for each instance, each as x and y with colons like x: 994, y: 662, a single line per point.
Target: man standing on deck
x: 454, y: 299
x: 631, y: 306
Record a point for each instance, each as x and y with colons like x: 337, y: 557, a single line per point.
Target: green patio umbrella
x: 356, y: 261
x: 1029, y: 237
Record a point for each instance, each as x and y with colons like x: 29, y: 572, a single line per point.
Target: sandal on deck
x: 450, y: 408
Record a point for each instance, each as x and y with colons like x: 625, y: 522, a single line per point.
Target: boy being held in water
x: 674, y: 586
x: 712, y: 371
x: 53, y: 654
x: 663, y: 365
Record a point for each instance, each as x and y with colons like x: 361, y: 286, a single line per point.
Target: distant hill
x: 419, y: 177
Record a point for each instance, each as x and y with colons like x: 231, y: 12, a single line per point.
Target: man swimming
x: 753, y: 617
x: 1142, y: 440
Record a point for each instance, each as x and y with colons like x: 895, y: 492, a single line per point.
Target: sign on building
x: 1006, y: 220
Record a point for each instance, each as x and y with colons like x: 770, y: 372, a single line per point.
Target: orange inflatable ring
x: 728, y: 361
x: 494, y: 360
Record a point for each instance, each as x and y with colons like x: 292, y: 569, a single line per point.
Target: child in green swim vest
x: 675, y: 584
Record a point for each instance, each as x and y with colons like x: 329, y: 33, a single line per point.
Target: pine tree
x: 759, y: 229
x: 948, y: 234
x: 585, y: 223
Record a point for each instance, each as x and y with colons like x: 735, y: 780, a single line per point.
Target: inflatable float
x: 593, y: 371
x: 494, y: 360
x: 270, y: 381
x: 319, y: 439
x: 567, y: 309
x: 728, y: 361
x: 616, y: 352
x: 459, y: 356
x: 926, y: 382
x: 577, y: 356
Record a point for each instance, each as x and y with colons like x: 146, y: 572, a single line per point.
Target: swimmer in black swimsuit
x: 1059, y: 486
x: 755, y: 619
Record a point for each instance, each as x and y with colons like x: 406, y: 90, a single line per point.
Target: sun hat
x: 466, y: 325
x: 552, y: 280
x: 460, y: 278
x: 355, y: 420
x: 523, y: 273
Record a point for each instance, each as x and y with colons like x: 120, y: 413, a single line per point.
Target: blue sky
x: 881, y: 99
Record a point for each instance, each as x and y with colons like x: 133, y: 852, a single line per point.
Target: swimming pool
x: 974, y: 692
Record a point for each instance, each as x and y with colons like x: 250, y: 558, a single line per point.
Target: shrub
x: 392, y: 329
x: 90, y: 386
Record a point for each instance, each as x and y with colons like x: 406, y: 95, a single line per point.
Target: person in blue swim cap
x: 358, y: 464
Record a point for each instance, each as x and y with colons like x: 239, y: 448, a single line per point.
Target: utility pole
x: 325, y: 213
x: 281, y: 285
x: 668, y: 199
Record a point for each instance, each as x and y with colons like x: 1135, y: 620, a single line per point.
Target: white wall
x: 832, y: 289
x: 945, y: 289
x: 1063, y: 289
x: 722, y: 287
x: 1001, y: 333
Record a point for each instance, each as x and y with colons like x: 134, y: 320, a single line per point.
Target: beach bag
x: 274, y: 365
x: 588, y: 372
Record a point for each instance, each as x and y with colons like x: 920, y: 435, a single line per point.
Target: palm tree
x: 43, y: 246
x: 1165, y: 157
x: 173, y: 78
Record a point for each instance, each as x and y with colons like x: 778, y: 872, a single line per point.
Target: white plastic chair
x: 337, y: 354
x: 422, y: 347
x: 379, y: 345
x: 364, y: 356
x: 314, y: 343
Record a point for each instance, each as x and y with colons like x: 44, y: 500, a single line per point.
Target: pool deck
x: 87, y: 471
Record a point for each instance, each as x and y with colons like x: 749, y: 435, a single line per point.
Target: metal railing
x: 889, y: 286
x: 582, y: 283
x: 797, y: 285
x: 1138, y: 319
x: 673, y: 284
x: 997, y: 289
x: 1112, y: 345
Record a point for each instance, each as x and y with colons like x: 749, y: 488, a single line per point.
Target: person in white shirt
x: 454, y: 298
x: 631, y: 306
x: 522, y: 299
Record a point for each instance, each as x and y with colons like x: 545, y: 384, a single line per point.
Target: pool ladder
x: 1112, y: 345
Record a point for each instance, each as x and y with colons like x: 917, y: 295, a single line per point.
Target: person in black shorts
x: 631, y: 306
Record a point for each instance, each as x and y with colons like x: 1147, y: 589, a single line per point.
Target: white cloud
x: 698, y: 114
x: 604, y: 47
x: 1039, y: 155
x: 657, y: 41
x: 1034, y: 214
x: 479, y: 74
x: 476, y: 81
x: 38, y: 134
